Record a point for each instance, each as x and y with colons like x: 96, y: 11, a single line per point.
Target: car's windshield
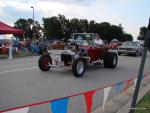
x: 85, y: 42
x: 130, y: 44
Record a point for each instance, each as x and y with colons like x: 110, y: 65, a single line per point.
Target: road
x: 21, y: 83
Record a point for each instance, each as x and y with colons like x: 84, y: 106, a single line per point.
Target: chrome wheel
x: 115, y: 60
x: 80, y: 67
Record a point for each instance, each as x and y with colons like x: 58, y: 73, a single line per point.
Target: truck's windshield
x: 82, y: 36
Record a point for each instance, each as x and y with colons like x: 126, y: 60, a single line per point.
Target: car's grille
x: 129, y: 49
x: 126, y: 49
x: 122, y: 49
x: 66, y: 57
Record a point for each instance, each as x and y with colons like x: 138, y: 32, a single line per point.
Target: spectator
x: 28, y: 44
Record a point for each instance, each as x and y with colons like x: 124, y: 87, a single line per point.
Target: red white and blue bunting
x: 61, y: 105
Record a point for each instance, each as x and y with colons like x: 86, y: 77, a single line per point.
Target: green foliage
x: 61, y: 27
x: 142, y: 33
x: 25, y: 24
x: 144, y: 105
x: 127, y: 37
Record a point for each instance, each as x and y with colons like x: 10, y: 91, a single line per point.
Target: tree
x: 25, y: 24
x: 91, y: 26
x: 142, y: 33
x: 64, y: 22
x: 127, y: 37
x: 61, y: 27
x: 52, y: 27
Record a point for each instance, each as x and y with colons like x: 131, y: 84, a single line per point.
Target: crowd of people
x: 39, y: 46
x: 26, y: 45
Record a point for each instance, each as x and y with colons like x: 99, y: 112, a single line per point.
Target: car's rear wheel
x: 110, y: 60
x: 78, y: 67
x: 44, y: 62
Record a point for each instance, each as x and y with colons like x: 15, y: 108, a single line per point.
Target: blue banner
x: 119, y: 87
x: 142, y: 78
x: 59, y: 106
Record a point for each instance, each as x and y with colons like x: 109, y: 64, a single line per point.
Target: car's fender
x: 114, y: 51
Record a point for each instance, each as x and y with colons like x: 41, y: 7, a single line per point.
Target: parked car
x: 77, y: 57
x: 130, y: 48
x: 58, y: 45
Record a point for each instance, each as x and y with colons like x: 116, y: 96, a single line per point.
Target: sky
x: 132, y: 14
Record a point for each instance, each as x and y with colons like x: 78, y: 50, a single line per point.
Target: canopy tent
x: 6, y: 29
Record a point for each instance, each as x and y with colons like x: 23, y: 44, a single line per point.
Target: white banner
x: 135, y: 81
x: 23, y: 110
x: 106, y: 92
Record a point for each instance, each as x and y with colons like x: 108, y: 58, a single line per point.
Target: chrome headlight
x: 76, y: 56
x: 57, y: 57
x: 70, y: 52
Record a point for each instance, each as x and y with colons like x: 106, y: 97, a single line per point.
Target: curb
x: 122, y: 102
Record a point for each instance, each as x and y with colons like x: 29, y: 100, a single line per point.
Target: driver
x: 98, y: 40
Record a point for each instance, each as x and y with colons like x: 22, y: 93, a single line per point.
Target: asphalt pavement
x: 21, y: 83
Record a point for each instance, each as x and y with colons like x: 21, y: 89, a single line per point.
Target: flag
x: 22, y: 110
x: 89, y: 100
x: 119, y: 87
x: 142, y: 77
x: 59, y: 106
x: 128, y: 84
x: 106, y: 92
x: 146, y: 76
x: 135, y: 81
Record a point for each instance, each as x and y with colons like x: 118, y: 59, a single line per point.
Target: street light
x: 33, y: 22
x: 33, y: 14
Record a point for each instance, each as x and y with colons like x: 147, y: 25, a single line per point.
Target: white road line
x: 17, y: 70
x: 6, y: 66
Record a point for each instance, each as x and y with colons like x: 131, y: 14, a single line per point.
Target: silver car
x: 131, y: 48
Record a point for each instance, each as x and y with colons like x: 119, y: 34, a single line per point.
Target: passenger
x: 89, y: 40
x: 98, y: 40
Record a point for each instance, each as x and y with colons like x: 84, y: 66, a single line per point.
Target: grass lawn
x: 144, y: 103
x: 21, y: 54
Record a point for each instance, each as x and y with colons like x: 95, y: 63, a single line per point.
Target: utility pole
x: 146, y: 45
x: 33, y: 14
x: 33, y: 24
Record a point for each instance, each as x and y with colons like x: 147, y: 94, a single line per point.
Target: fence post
x: 10, y: 52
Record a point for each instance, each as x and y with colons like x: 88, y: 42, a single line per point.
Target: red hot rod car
x: 77, y: 57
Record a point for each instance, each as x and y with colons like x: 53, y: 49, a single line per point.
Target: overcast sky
x: 132, y: 14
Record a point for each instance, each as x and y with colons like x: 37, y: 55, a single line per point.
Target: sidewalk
x: 122, y: 102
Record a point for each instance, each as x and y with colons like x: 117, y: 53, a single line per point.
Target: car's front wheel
x: 78, y: 67
x: 110, y: 60
x: 44, y: 62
